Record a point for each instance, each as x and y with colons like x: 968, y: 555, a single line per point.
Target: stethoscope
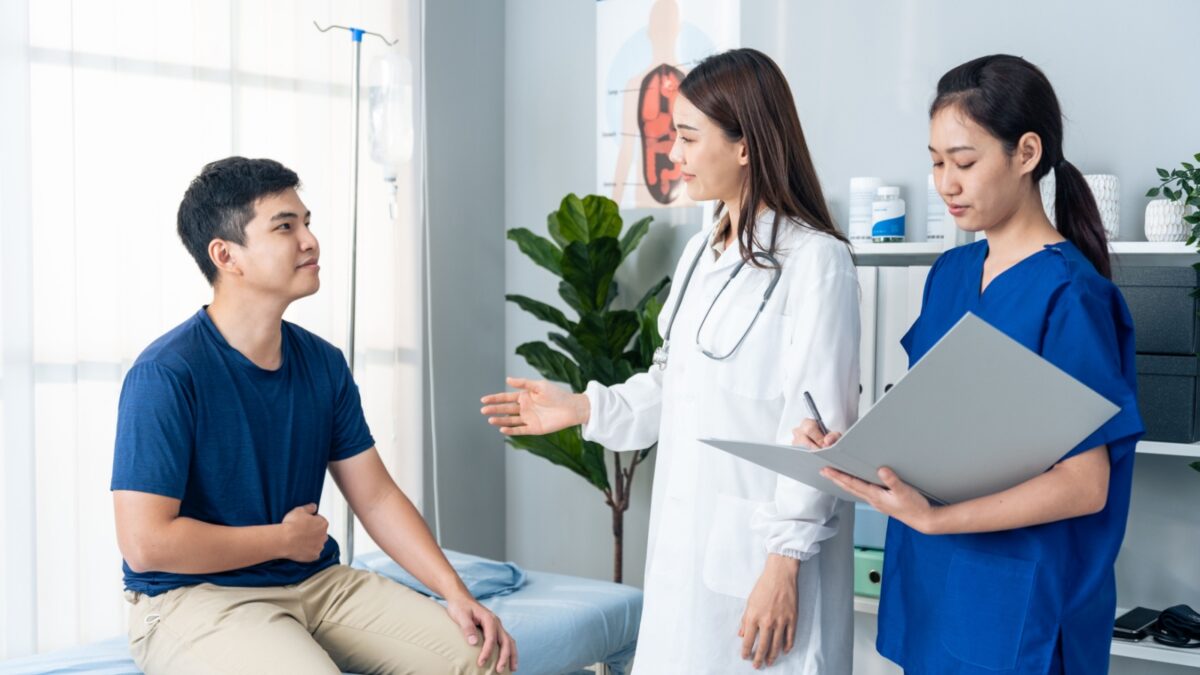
x: 660, y: 354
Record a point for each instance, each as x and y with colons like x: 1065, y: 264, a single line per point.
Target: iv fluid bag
x: 390, y: 93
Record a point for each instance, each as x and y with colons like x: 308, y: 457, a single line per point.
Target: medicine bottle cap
x: 888, y: 192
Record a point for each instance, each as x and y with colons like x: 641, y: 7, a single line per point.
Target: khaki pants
x: 338, y: 619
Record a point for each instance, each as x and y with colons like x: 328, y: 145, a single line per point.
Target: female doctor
x: 742, y: 565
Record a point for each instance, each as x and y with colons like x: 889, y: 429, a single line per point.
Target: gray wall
x: 464, y: 57
x: 863, y: 75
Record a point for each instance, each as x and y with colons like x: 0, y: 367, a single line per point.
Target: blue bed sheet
x: 562, y: 624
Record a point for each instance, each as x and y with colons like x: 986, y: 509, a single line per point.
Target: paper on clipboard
x: 1003, y: 415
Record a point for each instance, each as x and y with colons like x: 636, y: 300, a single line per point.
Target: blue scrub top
x: 1037, y: 599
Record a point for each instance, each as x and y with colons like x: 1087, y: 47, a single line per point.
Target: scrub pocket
x: 734, y: 555
x: 985, y: 607
x: 755, y: 369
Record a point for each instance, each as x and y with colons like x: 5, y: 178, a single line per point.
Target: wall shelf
x: 1171, y: 449
x: 899, y: 254
x: 1146, y: 650
x: 1130, y: 253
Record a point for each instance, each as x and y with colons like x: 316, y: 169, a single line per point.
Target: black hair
x: 219, y: 203
x: 1009, y: 97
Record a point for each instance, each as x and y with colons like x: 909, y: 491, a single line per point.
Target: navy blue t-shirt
x: 236, y: 444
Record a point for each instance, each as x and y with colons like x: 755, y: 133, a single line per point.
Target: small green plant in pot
x: 585, y: 248
x: 1182, y: 186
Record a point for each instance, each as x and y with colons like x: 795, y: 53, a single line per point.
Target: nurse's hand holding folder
x: 1077, y: 486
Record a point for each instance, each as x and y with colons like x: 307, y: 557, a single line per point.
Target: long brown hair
x: 1009, y: 96
x: 745, y: 93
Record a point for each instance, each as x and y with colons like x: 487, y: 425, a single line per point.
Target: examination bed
x: 562, y: 624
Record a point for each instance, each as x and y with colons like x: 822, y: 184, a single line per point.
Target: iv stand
x: 356, y: 36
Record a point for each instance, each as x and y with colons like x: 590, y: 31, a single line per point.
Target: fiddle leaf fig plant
x: 587, y: 244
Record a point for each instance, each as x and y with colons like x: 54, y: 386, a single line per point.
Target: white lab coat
x: 713, y: 517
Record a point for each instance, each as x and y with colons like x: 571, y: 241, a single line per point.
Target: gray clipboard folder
x: 978, y: 414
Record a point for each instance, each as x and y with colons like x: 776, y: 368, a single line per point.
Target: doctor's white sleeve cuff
x: 791, y: 537
x: 624, y: 416
x: 592, y: 392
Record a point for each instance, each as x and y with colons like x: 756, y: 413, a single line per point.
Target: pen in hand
x: 812, y: 410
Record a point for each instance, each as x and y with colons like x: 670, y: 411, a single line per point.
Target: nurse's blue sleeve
x: 1089, y: 335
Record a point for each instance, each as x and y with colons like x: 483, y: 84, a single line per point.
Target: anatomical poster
x: 644, y: 50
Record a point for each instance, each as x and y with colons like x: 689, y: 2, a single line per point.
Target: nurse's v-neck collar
x: 980, y: 291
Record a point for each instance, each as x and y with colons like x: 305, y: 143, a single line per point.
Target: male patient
x: 226, y: 426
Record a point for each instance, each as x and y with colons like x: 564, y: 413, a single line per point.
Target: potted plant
x: 605, y: 344
x: 1179, y: 204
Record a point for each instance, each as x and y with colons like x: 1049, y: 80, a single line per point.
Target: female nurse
x: 1020, y: 581
x: 742, y: 565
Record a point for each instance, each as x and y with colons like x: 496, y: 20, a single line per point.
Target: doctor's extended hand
x: 537, y: 407
x: 770, y: 616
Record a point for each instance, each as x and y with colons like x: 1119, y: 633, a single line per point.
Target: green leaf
x: 613, y: 289
x: 606, y: 333
x: 590, y: 268
x: 1164, y: 174
x: 570, y: 296
x: 572, y: 347
x: 634, y: 235
x: 652, y: 293
x: 603, y: 217
x: 1196, y: 156
x: 1195, y: 465
x: 572, y: 221
x: 552, y: 365
x: 1152, y: 192
x: 649, y: 339
x: 1178, y: 173
x: 608, y: 371
x: 1189, y: 166
x: 567, y: 448
x: 1192, y: 219
x: 539, y: 249
x: 593, y: 458
x: 542, y: 311
x: 555, y: 231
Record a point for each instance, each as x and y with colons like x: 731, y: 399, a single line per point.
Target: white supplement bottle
x: 887, y: 216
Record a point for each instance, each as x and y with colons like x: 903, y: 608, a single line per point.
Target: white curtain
x: 124, y: 102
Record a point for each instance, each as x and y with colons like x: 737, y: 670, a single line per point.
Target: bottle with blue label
x: 887, y: 215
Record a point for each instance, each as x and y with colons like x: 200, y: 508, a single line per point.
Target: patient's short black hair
x: 220, y: 203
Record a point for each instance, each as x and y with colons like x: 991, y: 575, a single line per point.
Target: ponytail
x: 1078, y: 217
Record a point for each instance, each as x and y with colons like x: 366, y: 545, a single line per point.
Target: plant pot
x: 1106, y: 189
x: 1164, y: 221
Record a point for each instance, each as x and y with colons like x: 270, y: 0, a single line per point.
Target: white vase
x: 1047, y: 186
x: 1107, y: 191
x: 1164, y: 221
